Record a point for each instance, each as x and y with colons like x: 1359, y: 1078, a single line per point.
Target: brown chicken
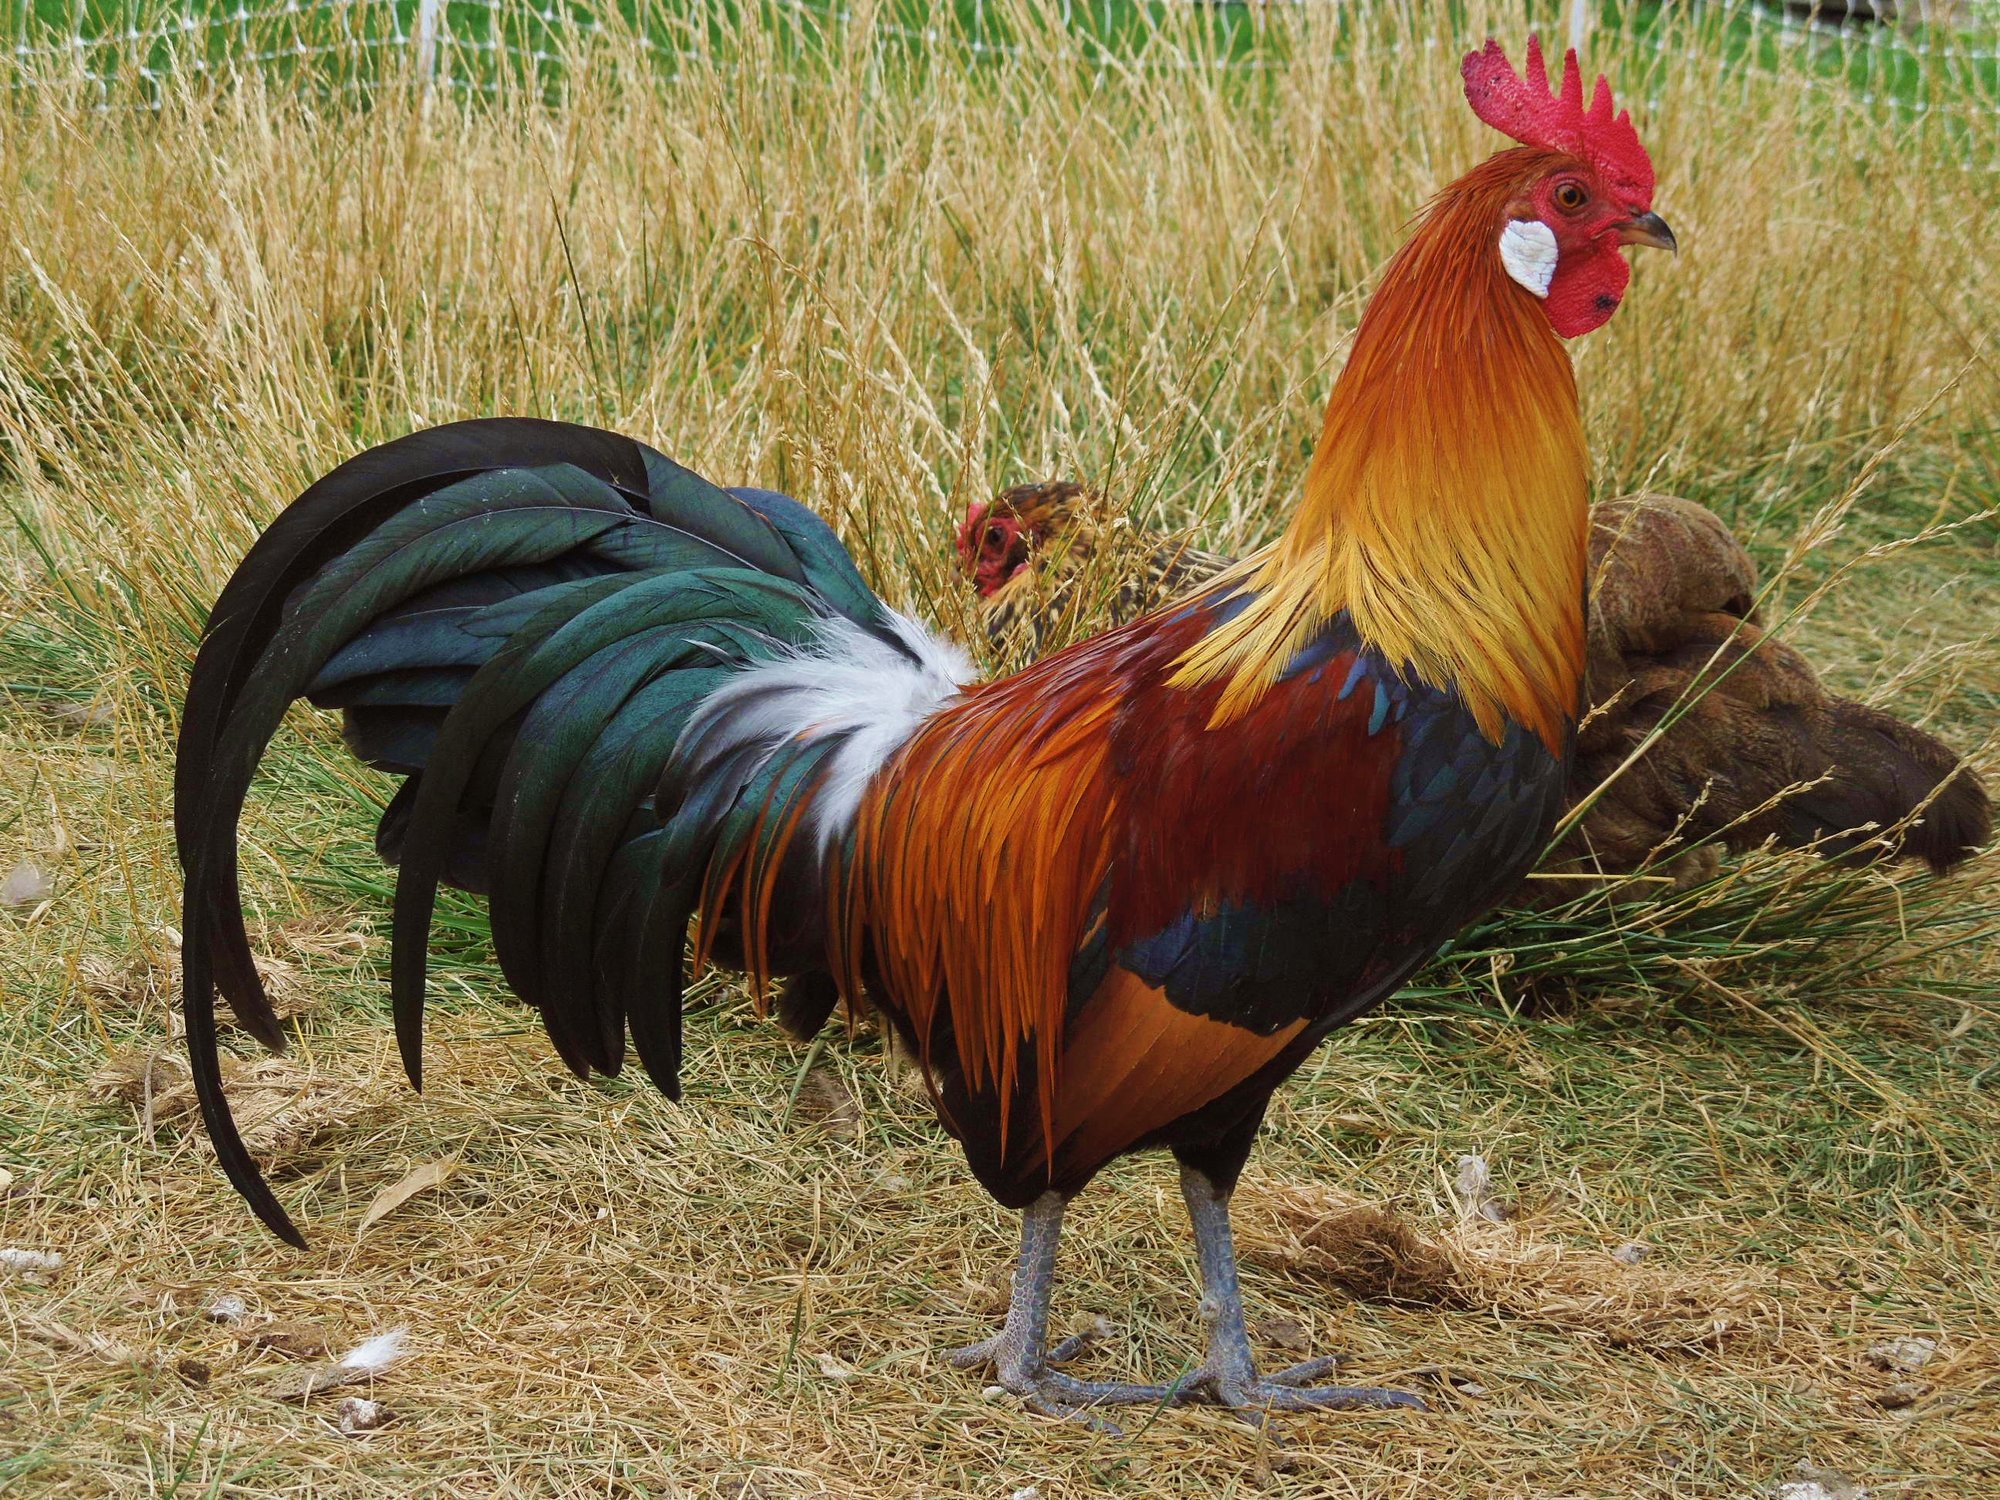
x: 1753, y: 747
x: 1037, y: 548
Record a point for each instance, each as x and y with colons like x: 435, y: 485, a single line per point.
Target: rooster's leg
x: 1019, y: 1355
x: 1228, y: 1377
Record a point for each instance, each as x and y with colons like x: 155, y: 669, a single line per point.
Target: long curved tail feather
x: 522, y: 618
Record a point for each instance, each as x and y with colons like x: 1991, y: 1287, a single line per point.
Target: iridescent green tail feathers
x: 519, y: 618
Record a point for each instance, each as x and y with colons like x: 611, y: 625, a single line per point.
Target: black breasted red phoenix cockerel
x: 1112, y: 901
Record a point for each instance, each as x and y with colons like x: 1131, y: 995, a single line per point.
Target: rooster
x: 624, y: 700
x: 1747, y: 744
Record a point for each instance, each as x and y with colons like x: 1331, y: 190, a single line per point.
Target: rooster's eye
x: 1570, y: 197
x: 995, y: 536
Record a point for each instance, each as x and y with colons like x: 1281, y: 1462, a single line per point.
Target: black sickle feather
x: 580, y: 865
x: 520, y: 617
x: 330, y: 516
x: 506, y: 685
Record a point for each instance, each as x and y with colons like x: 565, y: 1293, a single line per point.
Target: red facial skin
x: 991, y: 551
x: 1594, y: 196
x: 1591, y: 270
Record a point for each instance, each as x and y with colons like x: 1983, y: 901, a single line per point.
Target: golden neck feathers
x: 1446, y: 509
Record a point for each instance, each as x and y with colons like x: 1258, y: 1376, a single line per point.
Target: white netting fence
x: 468, y: 45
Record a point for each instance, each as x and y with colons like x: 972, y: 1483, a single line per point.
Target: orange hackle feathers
x: 1446, y: 507
x: 982, y: 857
x: 977, y: 858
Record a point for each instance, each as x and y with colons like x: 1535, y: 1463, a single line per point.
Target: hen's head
x: 999, y: 538
x: 1590, y: 195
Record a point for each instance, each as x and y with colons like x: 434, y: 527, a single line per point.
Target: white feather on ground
x: 378, y: 1353
x: 363, y: 1362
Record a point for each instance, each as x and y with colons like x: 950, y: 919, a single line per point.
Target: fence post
x: 1579, y: 24
x: 428, y: 29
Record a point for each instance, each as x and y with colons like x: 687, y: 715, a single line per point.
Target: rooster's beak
x: 1647, y: 229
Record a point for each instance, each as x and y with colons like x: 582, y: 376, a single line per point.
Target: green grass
x: 1955, y: 70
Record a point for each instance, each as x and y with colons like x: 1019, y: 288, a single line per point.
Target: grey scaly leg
x: 1018, y: 1354
x: 1228, y: 1377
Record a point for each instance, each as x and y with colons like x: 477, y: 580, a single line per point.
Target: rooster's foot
x: 1252, y: 1395
x: 1019, y: 1355
x: 1050, y: 1393
x: 1229, y: 1378
x: 987, y: 1353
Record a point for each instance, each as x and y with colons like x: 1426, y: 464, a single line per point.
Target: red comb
x: 1527, y: 110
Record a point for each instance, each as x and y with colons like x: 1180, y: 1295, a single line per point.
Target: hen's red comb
x: 1527, y: 110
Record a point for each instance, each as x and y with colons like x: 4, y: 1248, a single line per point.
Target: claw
x: 1253, y: 1397
x: 1305, y: 1371
x: 1065, y: 1396
x: 1268, y: 1395
x: 1050, y: 1393
x: 983, y: 1355
x: 1042, y: 1407
x: 1069, y: 1349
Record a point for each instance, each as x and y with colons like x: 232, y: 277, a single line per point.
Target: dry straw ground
x: 889, y: 281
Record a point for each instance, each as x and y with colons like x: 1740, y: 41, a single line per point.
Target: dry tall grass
x: 889, y: 281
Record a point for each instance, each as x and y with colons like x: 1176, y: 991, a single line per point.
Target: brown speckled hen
x: 1037, y: 548
x: 1754, y: 748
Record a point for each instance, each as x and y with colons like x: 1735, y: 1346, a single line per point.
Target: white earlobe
x: 1528, y: 251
